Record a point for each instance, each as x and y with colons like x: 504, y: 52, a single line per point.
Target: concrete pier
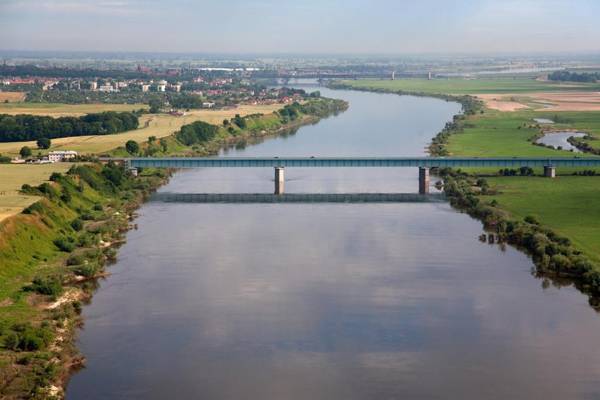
x: 549, y: 171
x: 279, y: 180
x: 423, y: 180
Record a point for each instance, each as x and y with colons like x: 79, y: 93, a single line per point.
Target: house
x: 208, y: 105
x: 61, y: 155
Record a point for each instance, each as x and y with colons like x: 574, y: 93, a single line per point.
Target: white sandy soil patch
x: 501, y: 102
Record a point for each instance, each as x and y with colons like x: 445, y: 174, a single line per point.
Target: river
x: 330, y: 301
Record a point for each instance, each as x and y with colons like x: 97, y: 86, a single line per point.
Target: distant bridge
x: 423, y: 163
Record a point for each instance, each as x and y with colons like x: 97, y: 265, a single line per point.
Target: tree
x: 43, y: 143
x: 132, y: 147
x: 25, y: 152
x: 155, y: 105
x: 164, y: 144
x: 152, y: 139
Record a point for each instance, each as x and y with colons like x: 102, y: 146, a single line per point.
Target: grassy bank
x: 52, y: 253
x: 557, y: 221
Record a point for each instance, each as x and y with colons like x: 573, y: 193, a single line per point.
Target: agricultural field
x: 11, y: 97
x: 159, y: 125
x: 64, y: 110
x: 462, y: 86
x: 13, y: 176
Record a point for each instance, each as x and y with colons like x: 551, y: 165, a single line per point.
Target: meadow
x: 567, y: 204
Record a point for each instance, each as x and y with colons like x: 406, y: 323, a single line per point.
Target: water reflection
x: 330, y: 301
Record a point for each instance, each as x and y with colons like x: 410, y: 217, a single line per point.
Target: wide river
x: 331, y: 301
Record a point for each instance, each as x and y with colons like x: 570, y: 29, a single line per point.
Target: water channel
x: 330, y: 301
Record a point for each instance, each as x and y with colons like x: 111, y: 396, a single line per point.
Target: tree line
x: 574, y: 76
x: 25, y: 127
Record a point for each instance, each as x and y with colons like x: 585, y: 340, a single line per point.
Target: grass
x: 13, y: 176
x: 498, y: 133
x: 567, y: 204
x: 468, y: 86
x: 159, y: 125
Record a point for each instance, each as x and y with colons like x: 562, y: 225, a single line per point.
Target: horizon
x: 335, y: 28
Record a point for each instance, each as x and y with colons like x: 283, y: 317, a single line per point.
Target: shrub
x: 55, y: 177
x: 51, y: 286
x: 64, y: 244
x: 530, y: 219
x: 76, y: 259
x: 77, y: 224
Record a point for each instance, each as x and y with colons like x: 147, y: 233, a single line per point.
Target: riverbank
x: 53, y: 253
x: 556, y: 225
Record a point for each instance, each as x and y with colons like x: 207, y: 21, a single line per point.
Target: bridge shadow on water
x: 297, y: 198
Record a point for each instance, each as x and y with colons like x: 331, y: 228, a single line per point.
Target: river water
x: 330, y: 301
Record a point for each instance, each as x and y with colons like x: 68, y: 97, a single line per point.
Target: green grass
x: 468, y: 86
x: 567, y: 204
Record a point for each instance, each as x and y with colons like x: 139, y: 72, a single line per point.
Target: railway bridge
x: 422, y: 163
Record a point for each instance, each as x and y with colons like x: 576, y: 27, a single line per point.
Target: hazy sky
x: 302, y: 26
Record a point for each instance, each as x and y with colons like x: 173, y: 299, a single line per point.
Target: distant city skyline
x: 379, y: 27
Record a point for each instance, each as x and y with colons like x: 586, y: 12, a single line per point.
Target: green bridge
x: 423, y: 163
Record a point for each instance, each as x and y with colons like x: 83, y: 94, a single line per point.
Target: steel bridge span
x: 423, y: 163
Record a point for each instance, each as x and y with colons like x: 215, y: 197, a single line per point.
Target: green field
x: 567, y: 204
x: 469, y: 86
x: 497, y: 133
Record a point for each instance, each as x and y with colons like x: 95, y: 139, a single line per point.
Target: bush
x: 27, y: 338
x: 77, y: 224
x: 51, y: 286
x: 76, y: 259
x: 132, y: 147
x: 87, y: 270
x: 56, y: 176
x: 65, y: 244
x: 530, y: 219
x: 43, y: 143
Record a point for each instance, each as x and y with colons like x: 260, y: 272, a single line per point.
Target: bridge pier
x: 279, y: 180
x: 549, y: 171
x: 423, y: 180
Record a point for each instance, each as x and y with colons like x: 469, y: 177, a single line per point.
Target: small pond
x: 560, y: 140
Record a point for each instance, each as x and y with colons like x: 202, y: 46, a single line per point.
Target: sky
x: 302, y: 26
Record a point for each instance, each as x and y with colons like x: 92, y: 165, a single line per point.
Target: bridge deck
x: 221, y: 162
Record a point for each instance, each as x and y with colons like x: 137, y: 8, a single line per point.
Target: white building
x: 162, y: 86
x: 93, y: 85
x: 61, y: 155
x: 145, y: 88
